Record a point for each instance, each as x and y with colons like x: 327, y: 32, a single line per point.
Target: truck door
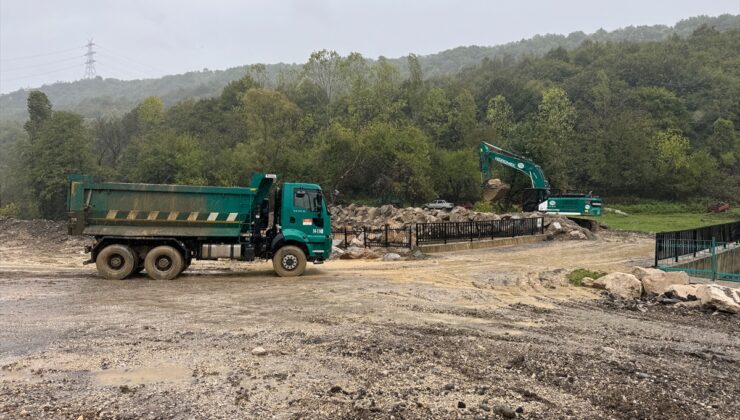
x: 305, y: 213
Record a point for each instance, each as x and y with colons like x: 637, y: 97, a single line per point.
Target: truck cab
x: 301, y: 218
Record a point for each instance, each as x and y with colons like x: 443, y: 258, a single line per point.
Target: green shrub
x: 576, y: 276
x: 483, y: 207
x: 10, y: 210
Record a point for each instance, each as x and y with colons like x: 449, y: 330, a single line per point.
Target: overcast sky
x: 41, y: 41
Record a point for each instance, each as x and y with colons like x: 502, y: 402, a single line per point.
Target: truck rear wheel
x: 163, y: 263
x: 289, y: 261
x: 116, y: 262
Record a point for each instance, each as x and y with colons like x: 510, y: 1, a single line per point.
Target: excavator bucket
x: 494, y: 190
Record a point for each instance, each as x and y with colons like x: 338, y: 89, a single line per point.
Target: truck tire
x: 289, y: 261
x: 163, y: 263
x: 116, y: 262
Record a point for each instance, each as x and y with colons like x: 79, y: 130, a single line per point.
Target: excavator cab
x: 533, y: 197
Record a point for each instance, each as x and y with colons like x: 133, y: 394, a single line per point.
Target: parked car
x: 439, y: 205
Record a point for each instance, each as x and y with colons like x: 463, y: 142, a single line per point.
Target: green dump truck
x: 162, y: 228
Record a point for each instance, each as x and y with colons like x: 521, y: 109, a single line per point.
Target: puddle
x: 172, y: 374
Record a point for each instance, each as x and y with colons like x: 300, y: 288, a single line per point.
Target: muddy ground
x: 477, y: 334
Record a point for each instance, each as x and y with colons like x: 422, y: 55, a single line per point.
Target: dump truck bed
x: 144, y: 210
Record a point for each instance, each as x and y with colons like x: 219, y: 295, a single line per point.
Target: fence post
x: 386, y: 235
x: 656, y: 249
x: 346, y: 244
x: 675, y: 248
x: 364, y: 237
x: 444, y: 229
x: 714, y: 259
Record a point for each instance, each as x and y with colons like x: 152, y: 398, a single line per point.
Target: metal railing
x: 711, y: 251
x: 383, y: 237
x: 692, y: 241
x: 712, y: 259
x: 435, y: 233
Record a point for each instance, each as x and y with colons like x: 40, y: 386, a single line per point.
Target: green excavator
x: 540, y: 197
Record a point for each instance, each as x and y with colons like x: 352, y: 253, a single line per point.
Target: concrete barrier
x: 487, y: 243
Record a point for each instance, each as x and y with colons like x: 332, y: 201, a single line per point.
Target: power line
x: 112, y: 68
x: 132, y: 61
x: 77, y: 57
x: 111, y: 59
x: 26, y: 57
x: 29, y: 76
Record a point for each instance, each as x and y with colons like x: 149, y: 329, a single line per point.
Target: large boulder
x: 386, y: 210
x: 353, y: 253
x: 391, y: 256
x: 575, y: 234
x: 656, y: 281
x: 336, y: 252
x: 623, y: 285
x: 495, y: 190
x: 684, y: 292
x: 721, y: 298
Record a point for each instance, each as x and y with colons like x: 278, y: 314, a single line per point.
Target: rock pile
x: 667, y: 288
x: 356, y: 216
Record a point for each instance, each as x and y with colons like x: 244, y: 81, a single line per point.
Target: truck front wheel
x: 164, y: 263
x: 116, y: 262
x: 289, y: 261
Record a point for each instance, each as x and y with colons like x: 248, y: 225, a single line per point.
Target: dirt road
x: 481, y: 334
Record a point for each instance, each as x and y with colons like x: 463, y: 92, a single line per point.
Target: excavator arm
x: 490, y: 153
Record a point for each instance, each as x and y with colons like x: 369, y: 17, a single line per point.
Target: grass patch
x: 664, y: 222
x: 576, y: 276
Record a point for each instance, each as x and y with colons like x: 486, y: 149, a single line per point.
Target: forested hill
x: 102, y: 97
x: 653, y: 120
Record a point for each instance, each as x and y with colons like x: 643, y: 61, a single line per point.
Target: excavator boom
x: 489, y: 152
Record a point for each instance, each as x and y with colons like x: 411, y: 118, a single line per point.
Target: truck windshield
x: 307, y: 199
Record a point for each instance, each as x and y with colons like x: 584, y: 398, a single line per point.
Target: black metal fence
x: 435, y: 233
x: 384, y: 237
x: 672, y: 245
x: 388, y: 237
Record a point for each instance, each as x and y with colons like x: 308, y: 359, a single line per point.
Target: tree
x: 723, y: 143
x: 552, y: 141
x: 396, y: 163
x: 415, y: 85
x: 39, y: 111
x: 456, y: 175
x: 150, y: 113
x: 323, y: 68
x: 501, y: 118
x: 165, y: 157
x: 62, y: 147
x: 273, y: 119
x: 436, y: 115
x: 463, y: 119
